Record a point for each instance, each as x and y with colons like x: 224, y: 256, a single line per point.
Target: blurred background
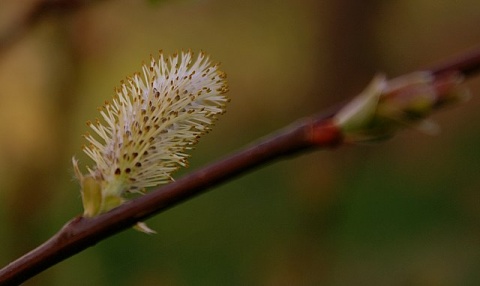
x: 402, y: 212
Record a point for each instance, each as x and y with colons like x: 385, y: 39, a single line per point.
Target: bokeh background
x: 403, y: 212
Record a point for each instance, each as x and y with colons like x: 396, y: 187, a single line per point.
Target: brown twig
x: 466, y: 63
x: 33, y: 14
x: 81, y: 233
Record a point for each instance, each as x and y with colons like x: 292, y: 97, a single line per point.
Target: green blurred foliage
x: 403, y: 212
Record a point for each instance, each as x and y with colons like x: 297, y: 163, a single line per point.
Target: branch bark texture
x: 80, y: 233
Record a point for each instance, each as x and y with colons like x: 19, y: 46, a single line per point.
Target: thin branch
x: 466, y: 63
x: 33, y: 14
x: 80, y: 233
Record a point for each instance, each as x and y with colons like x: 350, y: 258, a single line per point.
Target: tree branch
x: 466, y: 63
x: 33, y: 14
x: 80, y: 233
